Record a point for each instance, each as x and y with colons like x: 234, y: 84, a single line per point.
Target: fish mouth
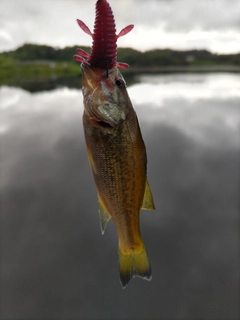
x: 87, y: 72
x: 93, y: 73
x: 91, y: 76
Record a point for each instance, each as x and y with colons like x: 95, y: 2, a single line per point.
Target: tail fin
x: 134, y: 263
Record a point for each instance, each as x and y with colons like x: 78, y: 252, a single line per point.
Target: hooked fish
x: 115, y: 147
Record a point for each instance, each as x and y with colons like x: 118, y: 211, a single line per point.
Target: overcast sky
x: 177, y: 24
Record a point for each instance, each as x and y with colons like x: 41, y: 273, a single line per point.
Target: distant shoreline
x: 169, y: 69
x: 32, y: 62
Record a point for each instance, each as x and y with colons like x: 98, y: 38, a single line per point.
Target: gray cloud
x: 53, y: 23
x: 182, y: 15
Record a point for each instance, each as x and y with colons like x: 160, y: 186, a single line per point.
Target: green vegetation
x: 39, y: 62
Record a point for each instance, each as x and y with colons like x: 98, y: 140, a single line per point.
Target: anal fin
x: 104, y: 215
x: 147, y: 203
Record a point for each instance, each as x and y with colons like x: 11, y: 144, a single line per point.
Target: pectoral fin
x: 104, y: 216
x: 147, y: 203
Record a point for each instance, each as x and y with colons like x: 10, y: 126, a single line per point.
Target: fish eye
x: 120, y: 83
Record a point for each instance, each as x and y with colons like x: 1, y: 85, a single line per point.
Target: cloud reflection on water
x: 54, y: 261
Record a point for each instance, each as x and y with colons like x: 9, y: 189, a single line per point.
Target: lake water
x: 55, y: 264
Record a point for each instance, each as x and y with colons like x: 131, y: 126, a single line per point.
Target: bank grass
x: 13, y: 70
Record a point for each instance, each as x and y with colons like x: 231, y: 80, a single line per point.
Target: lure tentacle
x: 122, y: 65
x: 125, y: 30
x: 78, y: 58
x: 83, y: 53
x: 84, y: 27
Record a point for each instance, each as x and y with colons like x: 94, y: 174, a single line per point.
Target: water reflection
x: 51, y: 83
x: 54, y: 261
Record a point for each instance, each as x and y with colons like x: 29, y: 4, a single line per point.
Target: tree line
x: 151, y: 58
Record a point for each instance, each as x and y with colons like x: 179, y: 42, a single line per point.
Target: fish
x: 115, y: 147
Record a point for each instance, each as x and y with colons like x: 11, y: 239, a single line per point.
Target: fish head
x: 105, y: 96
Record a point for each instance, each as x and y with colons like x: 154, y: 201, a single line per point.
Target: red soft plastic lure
x: 104, y: 46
